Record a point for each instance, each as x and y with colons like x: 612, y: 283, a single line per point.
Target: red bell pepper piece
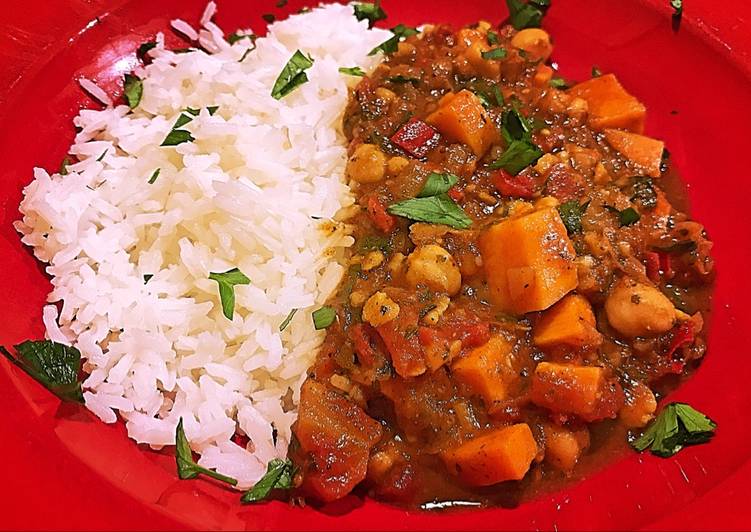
x: 682, y: 334
x: 362, y: 338
x: 416, y: 138
x: 378, y: 215
x: 518, y: 186
x: 400, y: 337
x: 652, y: 263
x: 455, y: 194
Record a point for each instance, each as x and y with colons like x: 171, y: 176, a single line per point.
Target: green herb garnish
x: 677, y: 425
x: 677, y: 6
x: 279, y: 475
x: 495, y: 53
x: 518, y: 155
x: 352, y: 71
x: 403, y: 31
x: 372, y: 242
x: 292, y: 76
x: 492, y: 38
x: 323, y: 317
x: 516, y: 126
x: 235, y: 37
x: 437, y: 184
x: 268, y: 17
x: 288, y: 319
x: 147, y: 277
x: 628, y: 216
x: 133, y: 90
x: 370, y: 11
x: 439, y: 209
x: 498, y: 95
x: 186, y: 466
x: 559, y: 83
x: 596, y: 72
x: 101, y: 157
x: 153, y: 177
x: 227, y: 282
x: 144, y: 48
x: 391, y: 45
x: 527, y: 15
x: 404, y: 79
x: 55, y: 366
x: 64, y: 166
x: 281, y: 3
x: 571, y: 214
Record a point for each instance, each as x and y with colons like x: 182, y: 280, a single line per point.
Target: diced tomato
x: 682, y: 334
x: 472, y: 334
x: 416, y: 138
x: 400, y: 337
x: 362, y: 338
x: 435, y: 347
x: 519, y: 186
x: 652, y: 263
x: 666, y: 266
x: 378, y: 215
x: 563, y: 183
x: 455, y: 194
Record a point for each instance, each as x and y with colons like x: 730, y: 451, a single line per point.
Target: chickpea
x: 434, y: 267
x: 380, y: 309
x: 639, y: 408
x: 372, y: 260
x: 384, y: 94
x: 535, y: 42
x: 636, y: 309
x: 367, y: 164
x: 397, y: 164
x: 432, y: 317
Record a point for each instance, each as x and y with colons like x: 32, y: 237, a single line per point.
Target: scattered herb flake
x: 279, y: 475
x: 677, y: 6
x: 352, y: 71
x: 370, y: 11
x: 292, y: 76
x: 372, y: 243
x: 186, y: 466
x: 101, y: 157
x: 55, y: 366
x: 527, y: 15
x: 492, y: 38
x: 227, y: 282
x: 389, y: 46
x: 559, y: 83
x: 404, y: 79
x: 212, y: 109
x: 439, y: 209
x: 596, y: 72
x: 403, y: 31
x: 628, y: 216
x: 147, y: 277
x: 268, y: 17
x: 677, y: 425
x: 281, y: 3
x: 516, y: 126
x: 235, y: 37
x: 495, y: 53
x: 153, y: 177
x: 323, y: 317
x: 145, y: 48
x: 64, y: 166
x: 571, y: 214
x: 499, y: 100
x: 177, y: 136
x: 518, y: 155
x: 288, y: 319
x: 132, y: 90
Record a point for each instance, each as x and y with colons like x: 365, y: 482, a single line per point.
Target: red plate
x: 63, y: 469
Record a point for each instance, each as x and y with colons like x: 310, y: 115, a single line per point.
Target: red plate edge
x: 63, y: 474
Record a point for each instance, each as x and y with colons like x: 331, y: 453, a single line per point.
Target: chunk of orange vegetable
x: 584, y: 391
x: 569, y: 322
x: 563, y: 447
x: 528, y: 261
x: 486, y: 370
x: 645, y: 152
x: 543, y: 75
x: 499, y: 455
x: 460, y: 117
x: 489, y: 68
x: 336, y: 435
x: 609, y: 104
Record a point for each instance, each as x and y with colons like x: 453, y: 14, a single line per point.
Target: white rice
x: 245, y: 194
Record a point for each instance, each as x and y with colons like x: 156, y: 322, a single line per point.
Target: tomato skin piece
x: 518, y: 186
x: 455, y: 194
x: 378, y: 215
x: 416, y: 138
x: 683, y: 334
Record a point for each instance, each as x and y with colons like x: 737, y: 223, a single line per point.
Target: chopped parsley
x: 147, y: 277
x: 628, y: 216
x: 187, y: 468
x: 178, y: 136
x: 288, y: 319
x: 281, y: 3
x: 323, y: 317
x: 559, y: 83
x: 404, y: 79
x: 516, y: 126
x: 677, y: 425
x: 437, y: 184
x: 391, y: 45
x: 571, y: 214
x: 440, y: 209
x: 292, y: 76
x: 236, y: 37
x: 132, y: 90
x: 352, y: 71
x: 372, y: 243
x: 153, y: 177
x: 227, y: 282
x: 53, y: 365
x: 518, y: 155
x: 527, y: 15
x: 492, y: 38
x: 495, y: 53
x: 370, y: 11
x: 677, y: 6
x: 64, y: 166
x: 279, y: 475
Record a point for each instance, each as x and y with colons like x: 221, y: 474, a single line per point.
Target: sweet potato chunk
x: 610, y: 105
x: 335, y: 436
x: 486, y: 370
x: 460, y: 117
x: 528, y: 261
x: 569, y: 322
x: 585, y: 391
x: 643, y: 151
x: 499, y: 455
